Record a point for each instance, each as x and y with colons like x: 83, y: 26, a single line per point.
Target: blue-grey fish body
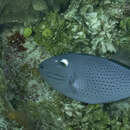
x: 87, y: 78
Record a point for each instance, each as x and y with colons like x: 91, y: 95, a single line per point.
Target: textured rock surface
x: 39, y: 5
x: 17, y: 12
x: 27, y: 11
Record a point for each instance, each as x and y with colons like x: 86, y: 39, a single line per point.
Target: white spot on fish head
x: 64, y: 62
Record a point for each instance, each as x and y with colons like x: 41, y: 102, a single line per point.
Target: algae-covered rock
x: 57, y: 5
x: 60, y: 36
x: 91, y: 29
x: 100, y: 24
x: 54, y: 34
x: 39, y: 5
x: 17, y: 12
x: 125, y: 24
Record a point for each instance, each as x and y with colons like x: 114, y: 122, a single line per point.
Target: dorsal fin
x: 122, y: 56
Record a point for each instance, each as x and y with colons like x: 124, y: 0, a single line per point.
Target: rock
x: 13, y: 12
x: 39, y: 5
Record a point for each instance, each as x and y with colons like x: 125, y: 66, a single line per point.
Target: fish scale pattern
x: 94, y: 79
x: 103, y: 81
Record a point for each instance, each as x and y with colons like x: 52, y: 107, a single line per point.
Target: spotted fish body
x: 87, y: 78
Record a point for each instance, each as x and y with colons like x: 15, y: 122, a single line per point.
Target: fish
x: 87, y: 78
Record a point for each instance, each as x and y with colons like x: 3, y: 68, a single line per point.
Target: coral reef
x: 83, y: 28
x: 100, y: 25
x: 54, y: 34
x: 60, y: 36
x: 27, y: 102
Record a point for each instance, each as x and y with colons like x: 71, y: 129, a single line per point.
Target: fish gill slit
x: 54, y: 77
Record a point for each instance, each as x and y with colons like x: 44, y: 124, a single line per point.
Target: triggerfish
x: 87, y: 78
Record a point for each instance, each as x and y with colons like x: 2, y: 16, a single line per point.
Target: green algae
x: 54, y: 34
x: 27, y: 32
x: 59, y: 35
x: 91, y: 31
x: 47, y: 33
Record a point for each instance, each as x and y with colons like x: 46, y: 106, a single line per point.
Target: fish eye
x: 64, y: 62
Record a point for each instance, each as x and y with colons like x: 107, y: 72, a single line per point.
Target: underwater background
x: 34, y: 30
